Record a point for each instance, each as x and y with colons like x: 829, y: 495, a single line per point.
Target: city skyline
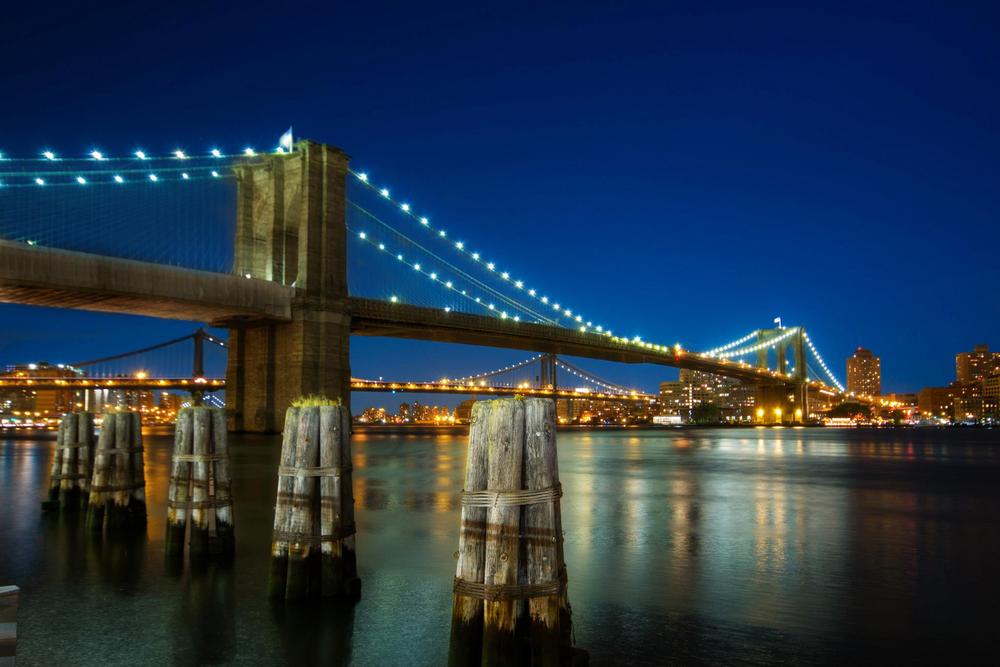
x: 699, y: 177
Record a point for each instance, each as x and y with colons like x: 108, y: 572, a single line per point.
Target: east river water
x: 755, y: 546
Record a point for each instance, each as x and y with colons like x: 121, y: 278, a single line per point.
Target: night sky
x: 682, y: 173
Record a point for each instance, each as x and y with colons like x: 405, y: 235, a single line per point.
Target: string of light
x: 435, y: 278
x: 498, y: 371
x: 114, y: 178
x: 759, y: 346
x: 472, y: 279
x: 729, y: 346
x: 819, y: 358
x: 476, y: 257
x: 96, y: 155
x: 591, y: 379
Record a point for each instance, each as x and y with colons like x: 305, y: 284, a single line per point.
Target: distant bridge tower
x: 787, y: 403
x: 291, y: 229
x: 547, y: 377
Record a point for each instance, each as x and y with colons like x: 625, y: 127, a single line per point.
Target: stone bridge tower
x: 290, y: 229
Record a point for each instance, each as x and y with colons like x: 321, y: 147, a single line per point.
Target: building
x: 936, y: 402
x: 864, y: 373
x: 722, y: 399
x: 977, y: 365
x: 45, y: 402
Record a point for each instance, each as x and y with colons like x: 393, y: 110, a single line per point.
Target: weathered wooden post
x: 69, y: 478
x: 199, y: 491
x: 118, y: 486
x: 313, y: 548
x: 8, y: 624
x: 510, y: 602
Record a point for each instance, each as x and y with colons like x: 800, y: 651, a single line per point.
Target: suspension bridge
x: 294, y: 251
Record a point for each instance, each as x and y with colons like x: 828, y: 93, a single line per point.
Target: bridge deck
x: 60, y: 278
x: 370, y: 317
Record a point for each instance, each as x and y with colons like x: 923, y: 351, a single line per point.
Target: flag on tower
x: 286, y: 141
x: 777, y: 321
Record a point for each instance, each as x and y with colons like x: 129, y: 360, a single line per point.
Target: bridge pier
x: 781, y: 404
x: 291, y: 229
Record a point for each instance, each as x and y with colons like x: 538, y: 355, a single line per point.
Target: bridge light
x: 491, y: 266
x: 434, y: 276
x: 39, y: 181
x: 362, y: 235
x: 399, y: 257
x: 154, y: 178
x: 81, y: 180
x: 185, y: 176
x: 584, y: 329
x: 141, y: 375
x: 442, y: 233
x: 448, y: 284
x: 215, y: 174
x: 491, y: 306
x: 505, y: 275
x: 424, y: 221
x: 517, y: 318
x: 545, y: 299
x: 599, y: 328
x: 416, y: 267
x: 384, y: 192
x: 49, y: 155
x: 97, y: 155
x: 249, y: 152
x: 518, y: 284
x: 475, y: 256
x: 531, y: 292
x: 394, y: 298
x: 579, y: 318
x: 405, y: 207
x: 180, y: 155
x: 503, y: 315
x: 381, y: 246
x: 141, y: 155
x: 459, y: 245
x: 216, y: 152
x: 363, y: 177
x: 447, y: 309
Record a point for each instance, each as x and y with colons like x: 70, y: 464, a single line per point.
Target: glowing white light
x: 434, y: 276
x: 517, y: 318
x: 384, y: 192
x: 179, y: 154
x: 459, y: 245
x: 363, y: 177
x: 579, y: 319
x: 154, y: 178
x: 518, y: 284
x: 545, y: 299
x: 505, y: 275
x: 184, y: 175
x: 491, y: 306
x: 140, y: 155
x: 97, y: 155
x: 441, y: 233
x: 249, y: 152
x: 362, y: 235
x: 475, y: 256
x: 405, y: 207
x: 381, y: 246
x: 394, y: 298
x: 447, y: 309
x: 448, y: 284
x: 424, y: 221
x: 215, y: 174
x: 569, y: 313
x: 39, y: 181
x: 399, y: 257
x: 118, y: 179
x: 503, y: 315
x: 81, y: 180
x: 216, y: 152
x: 491, y: 266
x: 49, y: 155
x: 416, y: 267
x: 531, y: 292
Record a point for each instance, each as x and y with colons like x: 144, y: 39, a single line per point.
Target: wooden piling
x: 466, y: 646
x: 313, y: 547
x: 117, y: 489
x: 283, y: 506
x: 178, y: 493
x: 99, y: 483
x: 224, y: 539
x: 69, y: 476
x: 55, y: 471
x: 512, y: 477
x: 199, y: 492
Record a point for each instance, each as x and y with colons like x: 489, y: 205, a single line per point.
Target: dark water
x: 804, y: 546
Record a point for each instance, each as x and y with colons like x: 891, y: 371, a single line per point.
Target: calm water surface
x: 756, y: 546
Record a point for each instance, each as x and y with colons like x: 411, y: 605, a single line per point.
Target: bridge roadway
x: 60, y: 278
x: 114, y: 384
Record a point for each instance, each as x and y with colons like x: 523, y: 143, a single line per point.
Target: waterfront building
x: 976, y: 365
x: 45, y: 402
x: 697, y: 392
x: 864, y: 373
x: 937, y: 402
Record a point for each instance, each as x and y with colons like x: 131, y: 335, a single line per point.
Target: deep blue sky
x: 681, y: 172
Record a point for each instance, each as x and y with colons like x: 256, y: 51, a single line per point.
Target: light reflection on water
x: 710, y: 546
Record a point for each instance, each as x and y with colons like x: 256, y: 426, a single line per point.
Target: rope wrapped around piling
x: 313, y: 471
x: 306, y: 538
x: 200, y: 458
x: 497, y: 592
x: 511, y: 498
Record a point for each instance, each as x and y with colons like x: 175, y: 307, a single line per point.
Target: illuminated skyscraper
x: 864, y: 373
x: 976, y: 365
